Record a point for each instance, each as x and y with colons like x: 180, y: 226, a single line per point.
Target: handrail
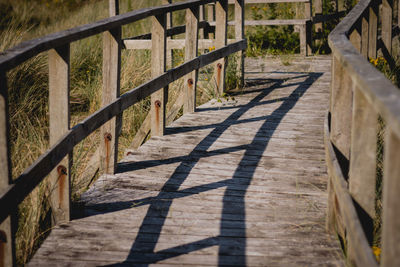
x: 32, y: 176
x: 359, y: 95
x: 26, y: 50
x: 54, y: 161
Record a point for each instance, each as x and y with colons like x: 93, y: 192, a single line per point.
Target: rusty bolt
x: 61, y: 170
x: 158, y: 103
x: 219, y: 65
x: 129, y: 153
x: 190, y: 81
x: 107, y: 137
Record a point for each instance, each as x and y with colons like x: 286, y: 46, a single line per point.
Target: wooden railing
x: 360, y: 94
x: 57, y: 160
x: 303, y: 24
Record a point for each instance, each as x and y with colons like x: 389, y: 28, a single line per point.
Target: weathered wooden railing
x: 303, y: 24
x: 359, y: 95
x: 57, y: 160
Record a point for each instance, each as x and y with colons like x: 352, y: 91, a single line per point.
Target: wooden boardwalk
x: 242, y: 182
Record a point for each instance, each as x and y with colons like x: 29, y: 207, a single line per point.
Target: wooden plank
x: 191, y: 51
x: 239, y: 35
x: 169, y: 55
x: 318, y: 11
x: 390, y: 199
x: 59, y: 117
x: 361, y: 253
x: 355, y: 37
x: 34, y: 174
x: 276, y: 22
x: 13, y: 57
x: 364, y: 36
x: 110, y: 92
x: 373, y: 31
x: 362, y: 175
x: 158, y: 67
x: 387, y: 17
x: 7, y: 235
x: 221, y: 13
x: 341, y: 108
x: 171, y: 44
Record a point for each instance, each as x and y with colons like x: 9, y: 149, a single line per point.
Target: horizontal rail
x: 269, y: 22
x: 31, y: 177
x: 26, y: 50
x: 384, y: 96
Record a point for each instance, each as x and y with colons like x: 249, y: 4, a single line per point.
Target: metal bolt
x: 62, y: 170
x: 158, y: 103
x: 190, y: 81
x: 107, y: 137
x: 219, y: 65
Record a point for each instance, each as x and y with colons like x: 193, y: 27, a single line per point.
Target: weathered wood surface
x: 242, y: 182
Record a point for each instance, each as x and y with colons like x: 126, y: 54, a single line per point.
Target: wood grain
x: 233, y: 182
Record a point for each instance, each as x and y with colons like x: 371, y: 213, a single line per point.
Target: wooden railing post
x: 318, y: 11
x: 158, y: 57
x: 111, y: 90
x: 239, y: 35
x: 210, y: 15
x: 373, y: 31
x: 355, y: 37
x: 221, y: 21
x: 364, y: 35
x: 391, y: 201
x: 7, y: 248
x: 191, y: 46
x: 362, y: 176
x: 387, y: 17
x: 308, y: 28
x: 341, y: 108
x: 170, y: 54
x: 59, y: 117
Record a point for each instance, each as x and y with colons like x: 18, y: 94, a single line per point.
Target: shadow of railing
x: 233, y: 209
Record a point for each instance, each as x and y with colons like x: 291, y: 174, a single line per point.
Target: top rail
x: 26, y: 50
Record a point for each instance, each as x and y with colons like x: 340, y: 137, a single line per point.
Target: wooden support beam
x: 7, y: 235
x: 221, y: 11
x: 391, y: 201
x: 171, y: 44
x: 239, y: 35
x: 111, y: 91
x: 341, y: 108
x: 355, y: 37
x: 362, y: 176
x: 387, y: 17
x: 169, y: 56
x: 364, y: 36
x: 211, y: 15
x: 158, y: 62
x: 373, y: 31
x: 191, y: 47
x: 318, y: 11
x: 59, y: 117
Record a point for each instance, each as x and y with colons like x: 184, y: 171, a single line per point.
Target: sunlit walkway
x: 240, y: 182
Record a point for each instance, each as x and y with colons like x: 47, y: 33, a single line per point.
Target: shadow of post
x: 232, y: 250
